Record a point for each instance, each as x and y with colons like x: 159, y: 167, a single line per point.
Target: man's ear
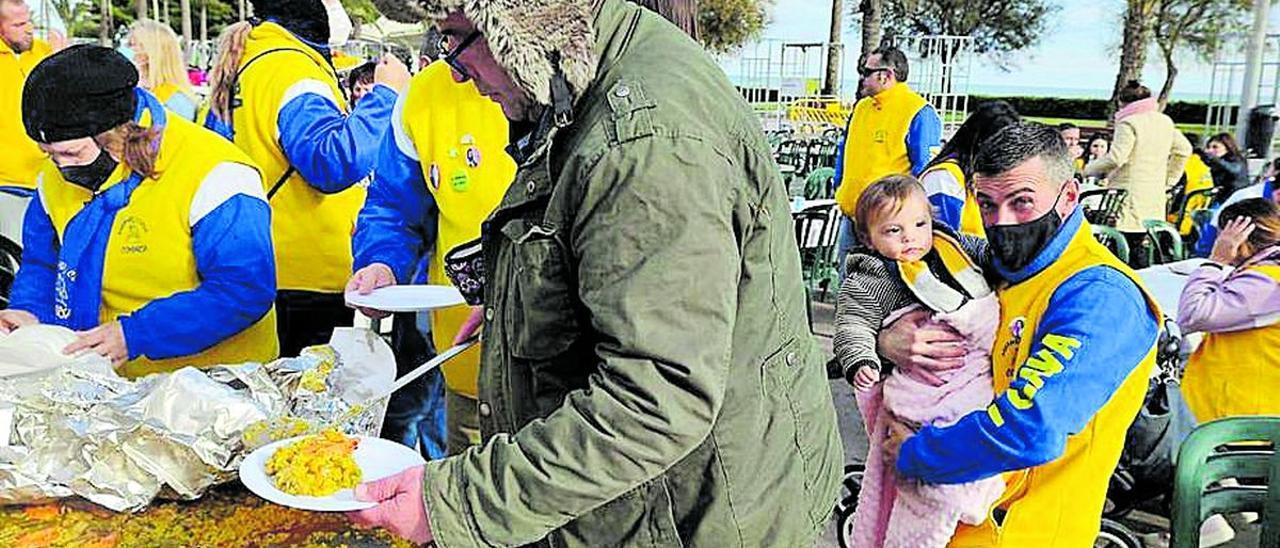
x: 1070, y: 197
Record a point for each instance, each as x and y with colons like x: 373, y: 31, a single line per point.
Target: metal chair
x: 1239, y: 448
x: 1102, y: 205
x: 1113, y: 240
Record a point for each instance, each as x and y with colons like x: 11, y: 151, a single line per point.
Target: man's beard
x: 22, y: 46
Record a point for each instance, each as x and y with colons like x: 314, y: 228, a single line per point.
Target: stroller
x: 1144, y: 475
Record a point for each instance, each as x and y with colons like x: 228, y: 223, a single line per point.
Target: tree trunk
x: 185, y: 6
x: 872, y: 14
x: 831, y: 85
x: 1171, y: 73
x: 1133, y: 52
x: 140, y: 8
x: 204, y: 21
x: 104, y: 24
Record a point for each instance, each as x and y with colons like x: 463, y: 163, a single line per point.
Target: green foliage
x: 727, y: 24
x: 998, y: 27
x: 1088, y: 109
x: 361, y: 10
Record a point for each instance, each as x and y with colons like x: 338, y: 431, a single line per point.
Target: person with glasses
x: 648, y: 377
x: 276, y: 89
x: 893, y: 131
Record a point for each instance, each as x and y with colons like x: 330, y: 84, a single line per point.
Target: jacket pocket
x: 541, y: 322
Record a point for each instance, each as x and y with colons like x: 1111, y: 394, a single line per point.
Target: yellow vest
x: 150, y: 254
x: 166, y: 91
x: 20, y: 158
x: 1198, y: 178
x: 311, y: 230
x: 877, y: 142
x: 970, y: 215
x: 1058, y: 503
x: 1236, y: 373
x: 460, y: 137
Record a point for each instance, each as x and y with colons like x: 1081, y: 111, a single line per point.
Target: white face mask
x: 339, y: 23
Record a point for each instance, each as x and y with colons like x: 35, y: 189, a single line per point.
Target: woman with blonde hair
x: 154, y: 49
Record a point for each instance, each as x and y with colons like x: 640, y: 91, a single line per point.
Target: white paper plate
x: 407, y: 298
x: 377, y: 458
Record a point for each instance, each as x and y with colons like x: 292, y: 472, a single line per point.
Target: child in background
x: 913, y: 263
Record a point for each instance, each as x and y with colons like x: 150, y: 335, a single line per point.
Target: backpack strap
x: 235, y: 103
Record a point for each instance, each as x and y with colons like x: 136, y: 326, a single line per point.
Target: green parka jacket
x: 648, y: 377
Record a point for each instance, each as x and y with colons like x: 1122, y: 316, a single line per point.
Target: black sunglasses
x: 868, y: 71
x: 451, y: 58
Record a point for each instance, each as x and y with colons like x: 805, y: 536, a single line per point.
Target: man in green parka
x: 648, y: 375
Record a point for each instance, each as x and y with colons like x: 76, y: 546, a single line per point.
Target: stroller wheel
x: 848, y: 502
x: 1115, y: 535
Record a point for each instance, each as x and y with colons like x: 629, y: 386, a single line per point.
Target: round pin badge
x: 460, y: 180
x: 473, y: 157
x: 435, y: 177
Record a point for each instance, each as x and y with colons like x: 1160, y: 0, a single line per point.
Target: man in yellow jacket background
x: 20, y: 51
x: 893, y: 131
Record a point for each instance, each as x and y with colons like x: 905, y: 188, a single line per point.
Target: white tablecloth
x: 1167, y: 280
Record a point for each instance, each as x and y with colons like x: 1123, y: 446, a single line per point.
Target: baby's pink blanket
x: 893, y: 513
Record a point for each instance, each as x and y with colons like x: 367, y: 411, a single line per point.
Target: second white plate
x: 408, y: 298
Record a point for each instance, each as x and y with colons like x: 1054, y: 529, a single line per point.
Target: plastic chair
x: 817, y: 230
x: 1113, y: 240
x: 1167, y: 241
x: 1227, y: 449
x: 1199, y: 200
x: 1102, y: 205
x: 10, y: 257
x: 818, y: 184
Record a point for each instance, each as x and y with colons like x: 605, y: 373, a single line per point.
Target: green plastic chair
x: 818, y: 184
x: 1230, y: 448
x: 1166, y: 240
x: 1114, y: 240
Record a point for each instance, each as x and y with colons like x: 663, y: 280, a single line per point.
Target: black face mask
x: 1015, y: 246
x: 91, y: 175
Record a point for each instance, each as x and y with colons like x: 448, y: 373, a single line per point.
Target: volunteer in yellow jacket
x: 282, y: 100
x: 1236, y: 371
x: 1072, y: 355
x: 893, y: 130
x: 154, y: 49
x: 148, y: 235
x: 945, y: 179
x: 19, y: 53
x: 442, y: 170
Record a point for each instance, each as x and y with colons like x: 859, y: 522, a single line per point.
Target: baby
x: 913, y: 264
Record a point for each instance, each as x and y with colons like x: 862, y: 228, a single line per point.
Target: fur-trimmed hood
x: 524, y: 35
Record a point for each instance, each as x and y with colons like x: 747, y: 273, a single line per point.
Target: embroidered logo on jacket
x: 134, y: 231
x: 1044, y: 364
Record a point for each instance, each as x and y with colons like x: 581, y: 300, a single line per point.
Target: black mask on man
x: 91, y: 175
x: 1015, y: 246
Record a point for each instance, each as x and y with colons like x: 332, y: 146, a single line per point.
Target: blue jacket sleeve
x: 1079, y: 360
x: 182, y: 105
x: 33, y: 287
x: 839, y: 178
x: 947, y: 209
x: 923, y: 138
x: 397, y: 221
x: 332, y: 151
x: 236, y: 264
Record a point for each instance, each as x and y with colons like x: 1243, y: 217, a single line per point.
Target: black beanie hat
x: 305, y: 18
x: 78, y: 92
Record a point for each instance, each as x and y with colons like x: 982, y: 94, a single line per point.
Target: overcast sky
x: 1077, y: 52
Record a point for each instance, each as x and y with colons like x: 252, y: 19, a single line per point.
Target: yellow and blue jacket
x: 953, y: 204
x: 21, y: 159
x: 293, y: 121
x: 1071, y: 359
x: 442, y: 170
x: 893, y: 132
x: 182, y: 260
